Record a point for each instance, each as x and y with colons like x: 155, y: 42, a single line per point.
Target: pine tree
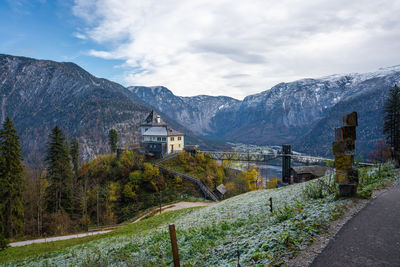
x: 113, y: 139
x: 59, y: 173
x: 391, y: 126
x: 12, y: 183
x: 74, y: 151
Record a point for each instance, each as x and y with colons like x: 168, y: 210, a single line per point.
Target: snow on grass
x: 214, y: 235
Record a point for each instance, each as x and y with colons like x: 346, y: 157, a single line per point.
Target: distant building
x: 220, y: 191
x: 158, y: 138
x: 306, y: 173
x: 191, y: 149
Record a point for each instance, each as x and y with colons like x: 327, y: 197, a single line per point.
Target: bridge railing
x: 263, y: 157
x: 203, y: 187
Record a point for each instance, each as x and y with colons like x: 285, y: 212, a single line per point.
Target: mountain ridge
x: 38, y: 94
x: 289, y: 112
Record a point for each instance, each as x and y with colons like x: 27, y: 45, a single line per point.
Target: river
x: 266, y: 171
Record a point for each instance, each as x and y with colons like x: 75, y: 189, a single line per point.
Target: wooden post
x: 270, y: 204
x: 174, y: 245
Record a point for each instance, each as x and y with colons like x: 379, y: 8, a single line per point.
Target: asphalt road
x: 371, y: 238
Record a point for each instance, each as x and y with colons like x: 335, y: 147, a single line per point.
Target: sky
x: 212, y: 47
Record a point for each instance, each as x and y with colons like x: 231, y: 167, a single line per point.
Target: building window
x: 172, y: 139
x: 179, y: 138
x: 158, y: 138
x: 164, y: 139
x: 179, y: 145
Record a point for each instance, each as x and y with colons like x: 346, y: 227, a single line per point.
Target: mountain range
x: 303, y: 113
x: 39, y: 94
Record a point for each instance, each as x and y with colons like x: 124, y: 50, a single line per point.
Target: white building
x: 158, y: 138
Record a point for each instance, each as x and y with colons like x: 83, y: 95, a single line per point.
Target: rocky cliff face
x: 368, y: 101
x: 302, y: 113
x: 289, y: 111
x: 195, y: 113
x: 40, y: 94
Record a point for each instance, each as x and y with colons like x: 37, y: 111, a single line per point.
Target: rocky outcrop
x: 302, y: 112
x: 39, y: 94
x: 196, y: 112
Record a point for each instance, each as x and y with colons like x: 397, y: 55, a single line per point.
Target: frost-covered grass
x: 212, y: 236
x: 374, y: 178
x: 51, y: 249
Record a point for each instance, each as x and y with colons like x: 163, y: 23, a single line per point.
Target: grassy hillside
x: 212, y: 236
x: 213, y: 173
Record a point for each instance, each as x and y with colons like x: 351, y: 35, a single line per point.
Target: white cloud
x: 79, y: 35
x: 241, y: 47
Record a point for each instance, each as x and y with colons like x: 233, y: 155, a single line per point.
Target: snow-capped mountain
x: 302, y: 112
x: 195, y: 112
x: 39, y: 94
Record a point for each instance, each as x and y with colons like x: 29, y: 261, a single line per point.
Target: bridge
x: 286, y: 154
x: 260, y: 157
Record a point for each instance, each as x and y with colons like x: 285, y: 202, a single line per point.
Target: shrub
x: 272, y: 183
x: 58, y: 224
x: 319, y: 188
x: 374, y: 178
x: 365, y: 192
x: 287, y: 212
x: 3, y: 242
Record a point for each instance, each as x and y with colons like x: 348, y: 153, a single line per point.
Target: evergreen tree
x: 74, y: 151
x: 391, y: 126
x: 59, y: 173
x: 113, y: 139
x: 12, y: 183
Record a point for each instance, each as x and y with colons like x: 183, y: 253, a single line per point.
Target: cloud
x: 237, y: 47
x: 79, y: 35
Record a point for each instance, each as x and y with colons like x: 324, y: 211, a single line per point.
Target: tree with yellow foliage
x: 251, y: 176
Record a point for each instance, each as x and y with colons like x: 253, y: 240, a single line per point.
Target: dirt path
x: 185, y: 205
x: 176, y: 206
x: 56, y: 238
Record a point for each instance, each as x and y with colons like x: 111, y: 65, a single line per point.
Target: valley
x: 302, y: 113
x: 199, y: 133
x: 39, y: 94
